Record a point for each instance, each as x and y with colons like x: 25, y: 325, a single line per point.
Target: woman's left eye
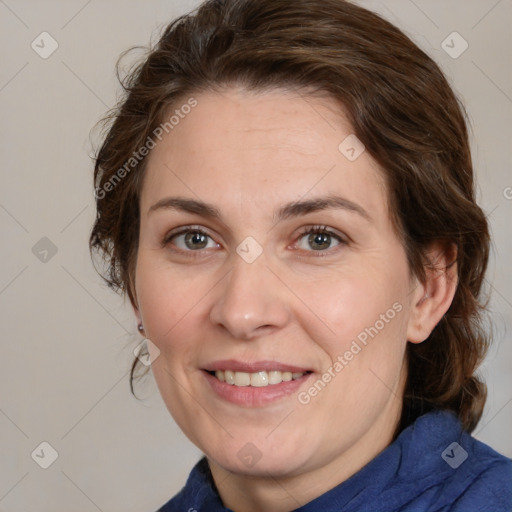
x: 318, y: 239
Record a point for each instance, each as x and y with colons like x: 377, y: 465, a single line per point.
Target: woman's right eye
x: 188, y: 240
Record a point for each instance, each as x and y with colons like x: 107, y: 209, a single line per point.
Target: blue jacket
x: 433, y: 465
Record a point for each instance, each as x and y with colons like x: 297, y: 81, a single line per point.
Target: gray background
x: 67, y: 340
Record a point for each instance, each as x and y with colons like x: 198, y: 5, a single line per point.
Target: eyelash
x: 318, y: 229
x: 323, y: 230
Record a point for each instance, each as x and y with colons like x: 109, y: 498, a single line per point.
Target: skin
x: 248, y: 154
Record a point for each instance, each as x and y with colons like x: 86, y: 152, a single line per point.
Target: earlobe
x: 433, y: 297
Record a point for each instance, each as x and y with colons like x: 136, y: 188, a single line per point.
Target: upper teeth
x: 258, y: 379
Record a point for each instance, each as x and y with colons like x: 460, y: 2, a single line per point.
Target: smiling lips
x: 257, y: 379
x: 253, y: 384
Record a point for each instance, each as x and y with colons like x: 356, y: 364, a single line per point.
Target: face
x: 271, y: 280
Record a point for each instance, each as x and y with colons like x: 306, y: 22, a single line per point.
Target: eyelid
x: 322, y: 228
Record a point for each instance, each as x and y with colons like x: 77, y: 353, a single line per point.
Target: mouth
x: 256, y: 379
x: 254, y: 384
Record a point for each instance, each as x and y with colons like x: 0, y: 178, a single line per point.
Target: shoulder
x: 485, y: 481
x: 466, y: 474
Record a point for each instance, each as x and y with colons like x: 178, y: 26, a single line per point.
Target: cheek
x: 349, y: 304
x: 360, y: 324
x: 169, y: 302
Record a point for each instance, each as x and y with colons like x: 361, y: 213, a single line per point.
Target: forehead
x: 261, y: 148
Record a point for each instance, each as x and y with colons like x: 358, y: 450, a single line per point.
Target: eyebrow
x: 289, y: 210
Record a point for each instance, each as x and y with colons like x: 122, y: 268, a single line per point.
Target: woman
x: 286, y: 196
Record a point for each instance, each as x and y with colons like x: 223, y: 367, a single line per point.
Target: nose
x: 252, y: 302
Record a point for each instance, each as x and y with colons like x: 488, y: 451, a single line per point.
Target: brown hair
x: 400, y: 106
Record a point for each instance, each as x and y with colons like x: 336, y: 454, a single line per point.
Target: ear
x: 432, y: 298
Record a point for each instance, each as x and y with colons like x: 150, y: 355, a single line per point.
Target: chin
x: 249, y: 460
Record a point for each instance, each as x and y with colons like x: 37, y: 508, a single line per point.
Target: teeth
x: 275, y: 377
x: 286, y: 376
x: 258, y: 379
x: 242, y: 379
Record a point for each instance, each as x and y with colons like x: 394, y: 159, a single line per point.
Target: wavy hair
x: 400, y: 106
